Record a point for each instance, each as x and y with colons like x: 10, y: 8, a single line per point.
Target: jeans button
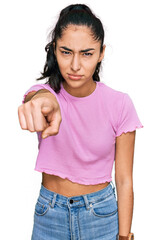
x: 71, y: 201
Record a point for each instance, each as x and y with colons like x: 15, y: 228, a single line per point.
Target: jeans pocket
x: 105, y: 207
x: 42, y: 206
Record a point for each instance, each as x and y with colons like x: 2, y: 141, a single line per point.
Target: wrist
x: 129, y: 237
x: 31, y: 94
x: 44, y: 93
x: 41, y: 91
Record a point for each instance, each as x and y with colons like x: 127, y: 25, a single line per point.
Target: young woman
x: 83, y: 126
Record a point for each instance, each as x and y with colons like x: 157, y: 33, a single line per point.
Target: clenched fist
x: 40, y: 112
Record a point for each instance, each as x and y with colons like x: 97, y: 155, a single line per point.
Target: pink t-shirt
x: 84, y: 149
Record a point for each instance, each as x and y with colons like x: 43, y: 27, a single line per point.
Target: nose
x: 75, y: 64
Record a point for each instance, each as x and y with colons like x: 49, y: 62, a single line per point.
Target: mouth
x: 74, y: 77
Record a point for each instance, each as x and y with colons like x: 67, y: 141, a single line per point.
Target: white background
x: 132, y: 65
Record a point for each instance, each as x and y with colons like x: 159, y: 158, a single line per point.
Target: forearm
x: 125, y: 198
x: 31, y: 94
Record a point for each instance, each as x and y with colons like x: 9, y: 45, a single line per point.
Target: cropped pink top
x: 84, y: 149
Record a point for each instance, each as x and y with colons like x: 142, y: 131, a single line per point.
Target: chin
x: 74, y: 83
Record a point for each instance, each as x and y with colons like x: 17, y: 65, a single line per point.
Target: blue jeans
x: 93, y: 216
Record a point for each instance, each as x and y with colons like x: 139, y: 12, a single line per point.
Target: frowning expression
x: 77, y: 54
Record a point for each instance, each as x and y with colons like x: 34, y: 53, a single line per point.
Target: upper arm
x: 124, y: 154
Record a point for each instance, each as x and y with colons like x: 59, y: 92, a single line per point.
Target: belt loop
x: 112, y: 184
x: 86, y: 202
x: 52, y: 204
x: 113, y: 187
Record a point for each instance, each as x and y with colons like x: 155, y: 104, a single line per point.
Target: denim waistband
x: 79, y: 200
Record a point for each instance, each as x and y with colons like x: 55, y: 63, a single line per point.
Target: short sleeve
x: 37, y: 87
x: 128, y: 119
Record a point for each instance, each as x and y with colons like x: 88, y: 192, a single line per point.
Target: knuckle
x: 34, y: 103
x: 55, y: 132
x: 24, y: 128
x: 59, y: 119
x: 56, y: 105
x: 20, y: 108
x: 26, y: 106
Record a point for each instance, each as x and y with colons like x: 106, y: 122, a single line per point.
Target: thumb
x: 49, y: 131
x: 53, y: 126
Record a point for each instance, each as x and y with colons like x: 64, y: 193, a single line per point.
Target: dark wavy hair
x: 75, y: 14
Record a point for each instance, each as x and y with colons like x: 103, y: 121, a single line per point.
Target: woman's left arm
x: 124, y: 180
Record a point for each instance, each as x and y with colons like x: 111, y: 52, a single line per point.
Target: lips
x: 74, y: 77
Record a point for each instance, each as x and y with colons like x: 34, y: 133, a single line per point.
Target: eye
x: 65, y: 52
x: 87, y: 54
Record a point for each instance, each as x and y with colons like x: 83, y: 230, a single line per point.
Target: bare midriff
x: 67, y: 188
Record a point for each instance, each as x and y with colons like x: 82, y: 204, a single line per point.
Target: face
x: 77, y: 55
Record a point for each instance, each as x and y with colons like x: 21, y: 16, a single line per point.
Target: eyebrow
x: 85, y: 50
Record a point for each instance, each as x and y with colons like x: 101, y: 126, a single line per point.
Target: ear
x: 102, y: 54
